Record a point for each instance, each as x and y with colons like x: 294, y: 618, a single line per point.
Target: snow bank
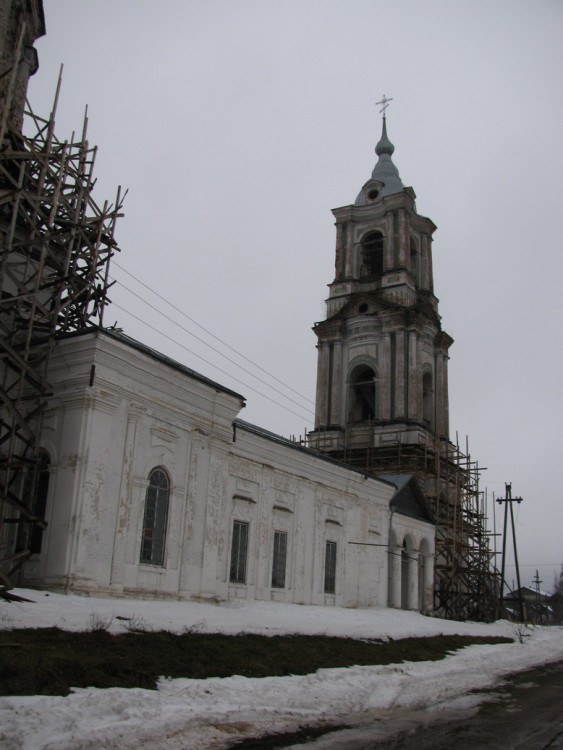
x: 212, y: 714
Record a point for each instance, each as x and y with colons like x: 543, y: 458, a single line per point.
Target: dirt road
x: 524, y: 712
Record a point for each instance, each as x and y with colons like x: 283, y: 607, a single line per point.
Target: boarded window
x: 156, y: 517
x: 239, y: 552
x: 279, y: 562
x: 330, y: 568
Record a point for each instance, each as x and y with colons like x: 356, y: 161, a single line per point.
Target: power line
x: 535, y: 565
x: 210, y: 333
x: 205, y: 343
x: 228, y: 374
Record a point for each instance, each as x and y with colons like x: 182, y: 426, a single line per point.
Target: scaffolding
x: 56, y: 243
x: 465, y: 575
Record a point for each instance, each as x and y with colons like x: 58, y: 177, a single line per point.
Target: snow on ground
x: 212, y: 714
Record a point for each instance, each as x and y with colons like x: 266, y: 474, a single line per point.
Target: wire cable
x: 210, y: 333
x: 217, y: 351
x: 228, y: 374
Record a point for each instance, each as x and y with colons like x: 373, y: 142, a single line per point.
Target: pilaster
x: 414, y: 382
x: 395, y: 564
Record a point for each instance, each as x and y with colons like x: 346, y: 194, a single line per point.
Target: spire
x: 385, y: 172
x: 384, y: 146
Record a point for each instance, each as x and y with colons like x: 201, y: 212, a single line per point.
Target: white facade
x: 239, y: 512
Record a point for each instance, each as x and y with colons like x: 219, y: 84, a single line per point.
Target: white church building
x: 123, y: 472
x: 152, y: 486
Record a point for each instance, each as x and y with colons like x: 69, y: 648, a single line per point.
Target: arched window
x: 330, y: 568
x: 363, y: 394
x: 156, y: 516
x: 428, y: 399
x: 372, y: 255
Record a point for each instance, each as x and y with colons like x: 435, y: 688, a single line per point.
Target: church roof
x: 409, y: 500
x: 290, y: 443
x: 119, y: 335
x: 385, y: 172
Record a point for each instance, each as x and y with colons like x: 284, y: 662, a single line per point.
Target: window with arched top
x: 372, y: 255
x: 156, y: 517
x: 363, y: 394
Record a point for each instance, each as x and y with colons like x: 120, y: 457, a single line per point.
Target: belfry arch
x: 371, y: 260
x: 362, y: 394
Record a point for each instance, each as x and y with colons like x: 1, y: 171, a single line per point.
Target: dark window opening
x: 239, y: 552
x: 363, y: 402
x: 330, y: 568
x: 279, y: 562
x: 373, y: 194
x: 155, y: 519
x: 363, y: 308
x: 372, y: 254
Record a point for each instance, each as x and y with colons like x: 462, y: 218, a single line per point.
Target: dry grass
x: 50, y: 661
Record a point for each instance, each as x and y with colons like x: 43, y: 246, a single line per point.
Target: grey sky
x: 238, y: 125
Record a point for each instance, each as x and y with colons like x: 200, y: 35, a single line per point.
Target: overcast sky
x: 238, y: 124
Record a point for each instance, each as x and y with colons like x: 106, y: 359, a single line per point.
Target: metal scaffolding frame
x: 56, y: 243
x: 465, y: 575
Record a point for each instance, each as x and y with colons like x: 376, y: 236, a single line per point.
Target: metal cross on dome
x: 384, y: 104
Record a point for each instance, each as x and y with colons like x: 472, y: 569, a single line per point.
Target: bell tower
x: 382, y: 383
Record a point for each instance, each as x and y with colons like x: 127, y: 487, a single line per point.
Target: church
x: 155, y: 487
x: 149, y: 484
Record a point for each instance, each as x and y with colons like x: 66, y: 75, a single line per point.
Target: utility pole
x: 509, y: 500
x: 539, y: 608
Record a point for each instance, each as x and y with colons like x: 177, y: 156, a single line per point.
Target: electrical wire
x: 210, y: 333
x: 190, y: 351
x: 217, y: 351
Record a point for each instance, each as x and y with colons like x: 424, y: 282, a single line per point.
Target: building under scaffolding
x: 382, y: 402
x: 465, y: 585
x: 382, y: 388
x: 56, y: 243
